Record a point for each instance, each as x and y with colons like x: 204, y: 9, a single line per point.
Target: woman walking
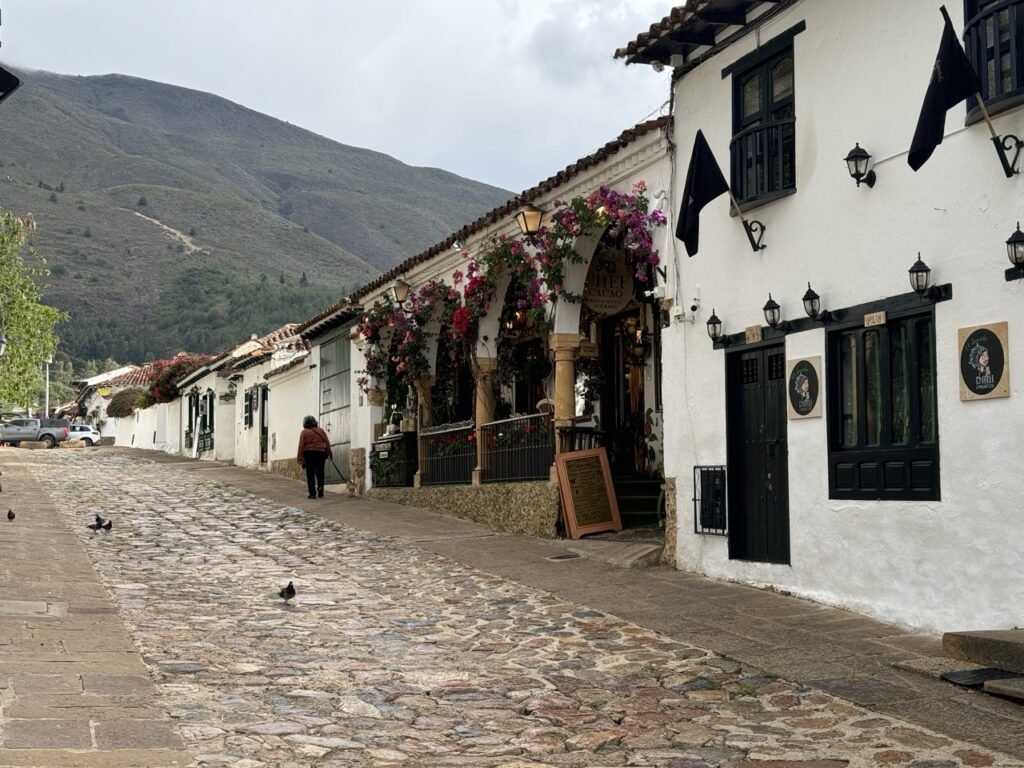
x: 314, y: 451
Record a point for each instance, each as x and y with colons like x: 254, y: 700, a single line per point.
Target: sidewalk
x: 837, y: 651
x: 74, y: 692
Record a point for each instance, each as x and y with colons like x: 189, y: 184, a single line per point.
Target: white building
x: 870, y: 455
x: 93, y: 394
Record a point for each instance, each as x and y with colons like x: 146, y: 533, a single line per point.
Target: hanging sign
x: 984, y: 369
x: 803, y: 387
x: 609, y: 285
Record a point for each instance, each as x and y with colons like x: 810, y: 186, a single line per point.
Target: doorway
x: 758, y: 475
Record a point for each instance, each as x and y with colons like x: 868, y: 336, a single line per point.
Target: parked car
x: 87, y: 433
x: 49, y: 431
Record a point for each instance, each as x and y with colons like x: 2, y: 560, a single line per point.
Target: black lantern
x: 714, y: 326
x: 1015, y: 247
x: 400, y: 291
x: 3, y: 343
x: 812, y: 302
x: 857, y: 163
x: 529, y: 219
x: 772, y: 312
x: 920, y: 276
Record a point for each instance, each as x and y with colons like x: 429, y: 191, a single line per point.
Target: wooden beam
x: 719, y: 17
x: 693, y: 37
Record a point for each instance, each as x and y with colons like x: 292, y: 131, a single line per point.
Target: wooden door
x: 758, y: 475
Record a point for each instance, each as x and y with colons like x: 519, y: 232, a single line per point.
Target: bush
x: 142, y: 201
x: 58, y: 270
x: 126, y: 401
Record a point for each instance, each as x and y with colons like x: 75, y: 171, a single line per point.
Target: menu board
x: 588, y: 498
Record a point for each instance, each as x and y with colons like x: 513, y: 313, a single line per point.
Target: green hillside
x: 141, y: 190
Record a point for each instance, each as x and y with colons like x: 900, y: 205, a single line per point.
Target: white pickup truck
x: 49, y: 431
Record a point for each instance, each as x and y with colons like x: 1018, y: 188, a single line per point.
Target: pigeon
x: 10, y: 514
x: 100, y: 520
x: 94, y: 527
x: 288, y: 592
x: 107, y: 525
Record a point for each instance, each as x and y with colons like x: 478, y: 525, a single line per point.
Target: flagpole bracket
x: 755, y: 234
x: 1004, y: 146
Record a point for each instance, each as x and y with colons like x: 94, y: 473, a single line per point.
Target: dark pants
x: 314, y: 461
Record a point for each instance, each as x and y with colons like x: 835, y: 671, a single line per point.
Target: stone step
x: 1011, y: 688
x: 1002, y: 648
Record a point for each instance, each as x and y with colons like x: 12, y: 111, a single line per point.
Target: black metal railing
x: 994, y: 42
x: 521, y: 448
x: 448, y: 454
x: 188, y: 438
x: 764, y: 160
x: 393, y: 460
x: 206, y: 441
x: 579, y: 439
x: 709, y: 501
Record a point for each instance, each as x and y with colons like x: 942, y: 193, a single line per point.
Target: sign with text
x: 984, y: 369
x: 752, y: 334
x: 803, y: 387
x: 874, y: 318
x: 609, y: 286
x: 588, y: 498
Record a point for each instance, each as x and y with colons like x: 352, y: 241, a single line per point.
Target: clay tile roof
x: 675, y: 21
x: 295, y: 362
x: 140, y: 377
x: 275, y: 337
x: 509, y: 208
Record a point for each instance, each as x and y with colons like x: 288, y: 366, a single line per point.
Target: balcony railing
x: 447, y: 454
x: 521, y: 448
x: 994, y: 42
x: 206, y: 441
x: 764, y: 161
x: 579, y: 439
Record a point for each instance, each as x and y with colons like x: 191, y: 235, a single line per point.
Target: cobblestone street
x: 392, y: 655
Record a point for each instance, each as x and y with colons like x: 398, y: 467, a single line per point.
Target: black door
x: 757, y: 455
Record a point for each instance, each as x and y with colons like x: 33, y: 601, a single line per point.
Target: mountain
x: 169, y: 215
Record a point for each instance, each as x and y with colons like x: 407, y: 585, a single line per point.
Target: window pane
x: 782, y: 80
x: 751, y: 97
x: 926, y: 374
x: 900, y: 382
x: 872, y: 388
x: 848, y: 364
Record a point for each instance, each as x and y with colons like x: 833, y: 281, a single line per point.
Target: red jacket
x: 313, y: 439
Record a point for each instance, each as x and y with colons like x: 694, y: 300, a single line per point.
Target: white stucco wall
x: 247, y: 439
x: 945, y: 565
x: 293, y: 395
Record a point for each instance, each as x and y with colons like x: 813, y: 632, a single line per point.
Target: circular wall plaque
x: 982, y: 361
x: 803, y: 388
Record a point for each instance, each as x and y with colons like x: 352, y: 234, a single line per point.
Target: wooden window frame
x: 977, y: 14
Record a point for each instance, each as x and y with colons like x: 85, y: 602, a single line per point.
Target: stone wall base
x: 71, y: 444
x: 33, y: 445
x: 530, y: 509
x: 288, y: 468
x: 668, y: 553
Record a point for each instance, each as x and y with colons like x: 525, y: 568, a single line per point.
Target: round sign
x: 982, y: 361
x: 609, y: 285
x: 803, y: 387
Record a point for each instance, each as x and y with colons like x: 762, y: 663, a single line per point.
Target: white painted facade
x: 247, y: 437
x: 953, y: 564
x: 293, y: 395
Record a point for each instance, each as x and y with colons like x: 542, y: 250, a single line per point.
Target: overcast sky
x: 502, y: 91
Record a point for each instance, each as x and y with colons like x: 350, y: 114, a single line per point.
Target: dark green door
x: 758, y: 475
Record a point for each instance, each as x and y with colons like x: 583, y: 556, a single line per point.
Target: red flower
x: 462, y: 319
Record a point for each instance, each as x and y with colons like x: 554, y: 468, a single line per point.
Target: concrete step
x: 1011, y: 688
x: 618, y: 553
x: 1001, y: 648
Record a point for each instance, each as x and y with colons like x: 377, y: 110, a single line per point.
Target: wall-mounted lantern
x: 920, y: 276
x: 772, y: 312
x: 857, y: 163
x: 529, y: 219
x: 714, y: 327
x: 812, y: 306
x: 400, y: 291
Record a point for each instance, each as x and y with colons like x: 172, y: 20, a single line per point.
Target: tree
x: 303, y: 281
x: 28, y: 325
x: 143, y: 201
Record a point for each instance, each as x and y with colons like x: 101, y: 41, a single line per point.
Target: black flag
x: 704, y: 182
x: 953, y: 80
x: 8, y: 83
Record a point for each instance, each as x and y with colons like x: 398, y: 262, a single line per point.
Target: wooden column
x: 424, y: 418
x: 486, y: 367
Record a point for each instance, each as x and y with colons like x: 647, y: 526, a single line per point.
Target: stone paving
x: 395, y: 656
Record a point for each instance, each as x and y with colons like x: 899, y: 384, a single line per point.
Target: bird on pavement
x: 10, y: 514
x: 94, y: 527
x: 107, y: 525
x: 288, y: 592
x: 100, y: 520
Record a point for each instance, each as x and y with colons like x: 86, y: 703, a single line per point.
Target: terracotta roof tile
x: 140, y: 377
x: 293, y: 363
x: 676, y: 19
x: 508, y: 209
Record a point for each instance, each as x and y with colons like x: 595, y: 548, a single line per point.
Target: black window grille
x: 994, y: 43
x: 763, y: 146
x: 709, y: 508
